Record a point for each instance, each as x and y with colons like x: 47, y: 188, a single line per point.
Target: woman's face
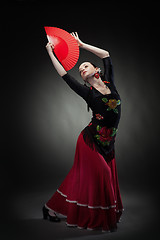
x: 86, y: 69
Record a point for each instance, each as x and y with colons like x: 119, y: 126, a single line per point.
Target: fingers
x: 49, y: 47
x: 52, y: 46
x: 49, y: 44
x: 75, y: 35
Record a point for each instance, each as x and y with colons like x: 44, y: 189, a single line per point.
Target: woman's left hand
x: 75, y: 35
x: 49, y: 47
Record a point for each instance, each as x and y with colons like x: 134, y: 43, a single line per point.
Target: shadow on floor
x: 137, y: 221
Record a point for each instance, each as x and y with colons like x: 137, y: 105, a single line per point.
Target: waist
x: 109, y: 123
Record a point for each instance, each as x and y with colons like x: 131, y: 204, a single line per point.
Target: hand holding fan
x: 65, y: 46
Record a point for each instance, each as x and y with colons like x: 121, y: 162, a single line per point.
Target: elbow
x: 62, y: 73
x: 105, y: 54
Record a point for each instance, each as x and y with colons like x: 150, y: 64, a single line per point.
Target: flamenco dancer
x: 89, y: 196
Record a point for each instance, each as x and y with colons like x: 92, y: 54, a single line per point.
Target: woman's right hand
x: 60, y: 69
x: 49, y: 47
x: 75, y: 35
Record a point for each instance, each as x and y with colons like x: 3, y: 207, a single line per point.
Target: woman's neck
x: 99, y: 85
x: 96, y: 83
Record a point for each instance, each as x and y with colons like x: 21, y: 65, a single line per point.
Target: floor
x: 138, y: 220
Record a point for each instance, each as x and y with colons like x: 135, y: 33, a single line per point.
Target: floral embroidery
x: 112, y: 104
x: 99, y: 116
x: 105, y: 135
x: 90, y: 124
x: 106, y: 81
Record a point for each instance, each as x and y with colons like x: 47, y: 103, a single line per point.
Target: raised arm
x: 60, y: 69
x: 95, y: 50
x: 77, y: 87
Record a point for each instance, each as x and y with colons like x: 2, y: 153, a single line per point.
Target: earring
x: 96, y: 75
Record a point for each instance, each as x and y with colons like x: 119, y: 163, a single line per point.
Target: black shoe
x: 51, y: 218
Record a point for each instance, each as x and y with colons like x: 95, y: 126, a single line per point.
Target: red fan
x: 65, y: 46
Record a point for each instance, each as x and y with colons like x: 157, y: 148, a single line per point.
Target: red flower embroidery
x: 106, y: 81
x: 105, y: 135
x: 90, y: 124
x: 99, y: 116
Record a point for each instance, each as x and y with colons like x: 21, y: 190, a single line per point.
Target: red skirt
x: 89, y: 196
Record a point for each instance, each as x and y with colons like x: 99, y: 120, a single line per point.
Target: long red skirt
x: 89, y: 196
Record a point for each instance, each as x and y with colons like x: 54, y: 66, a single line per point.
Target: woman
x: 89, y: 196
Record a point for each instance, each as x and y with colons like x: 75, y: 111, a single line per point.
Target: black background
x: 43, y: 117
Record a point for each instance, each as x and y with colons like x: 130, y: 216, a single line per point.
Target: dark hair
x: 101, y: 75
x: 93, y: 64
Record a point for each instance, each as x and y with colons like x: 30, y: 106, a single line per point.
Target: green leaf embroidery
x: 109, y: 109
x: 98, y: 128
x: 97, y: 136
x: 105, y: 100
x: 114, y: 131
x: 115, y: 110
x: 105, y: 143
x: 118, y: 102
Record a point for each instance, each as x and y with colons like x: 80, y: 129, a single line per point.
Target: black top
x: 106, y: 109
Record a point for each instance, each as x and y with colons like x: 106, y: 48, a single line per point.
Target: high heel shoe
x: 46, y: 215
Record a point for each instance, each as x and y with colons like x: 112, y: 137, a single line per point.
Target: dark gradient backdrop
x: 44, y: 117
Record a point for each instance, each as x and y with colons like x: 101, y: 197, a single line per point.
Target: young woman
x: 89, y: 196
